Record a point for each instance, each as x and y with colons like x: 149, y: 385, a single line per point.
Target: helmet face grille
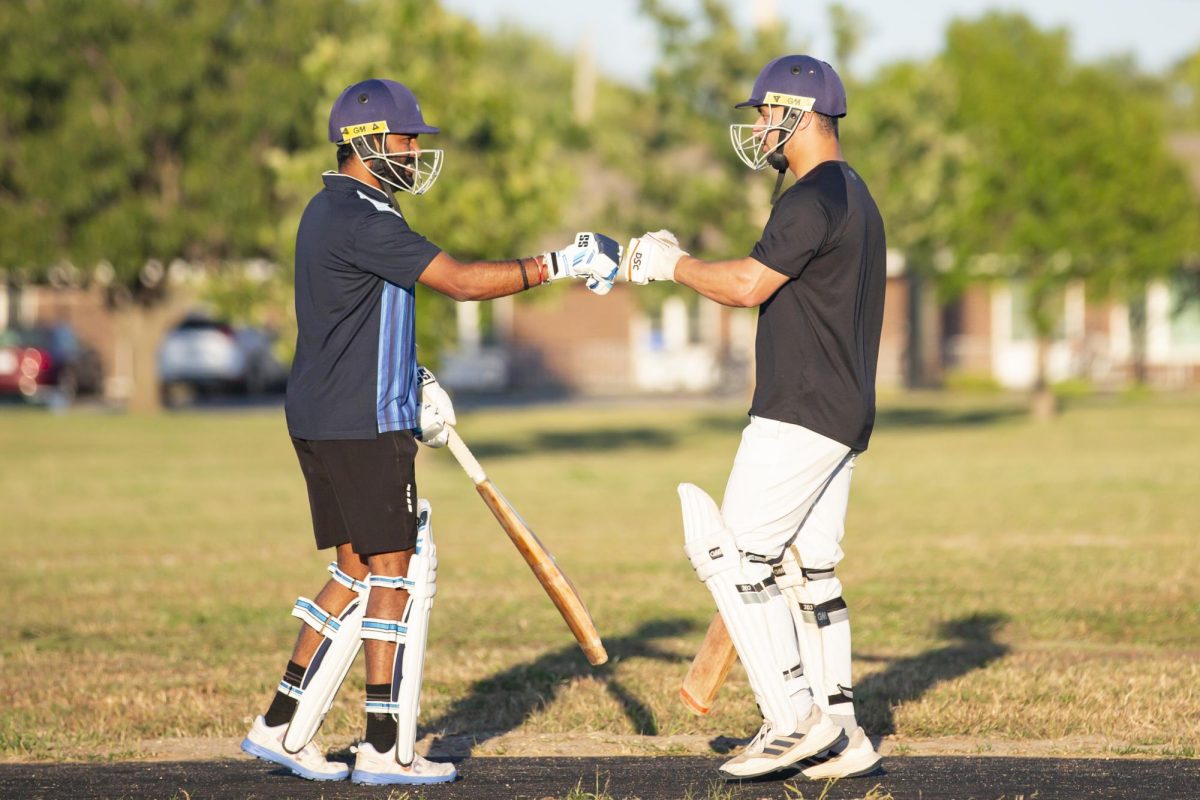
x: 750, y: 141
x: 412, y: 171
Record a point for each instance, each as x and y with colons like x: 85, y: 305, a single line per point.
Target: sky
x: 1157, y: 32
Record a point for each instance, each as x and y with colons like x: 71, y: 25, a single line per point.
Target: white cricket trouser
x: 788, y: 483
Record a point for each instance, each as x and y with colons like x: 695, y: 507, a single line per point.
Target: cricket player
x: 768, y: 555
x: 357, y: 403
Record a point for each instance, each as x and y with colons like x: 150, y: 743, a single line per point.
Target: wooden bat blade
x: 709, y: 668
x: 556, y: 583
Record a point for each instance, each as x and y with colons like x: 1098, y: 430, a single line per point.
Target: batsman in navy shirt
x: 357, y: 404
x: 357, y: 266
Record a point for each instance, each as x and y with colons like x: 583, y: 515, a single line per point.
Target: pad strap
x: 825, y: 614
x: 384, y: 630
x: 316, y: 617
x: 286, y: 688
x: 389, y: 582
x: 758, y: 592
x: 383, y: 707
x: 345, y: 580
x: 795, y: 672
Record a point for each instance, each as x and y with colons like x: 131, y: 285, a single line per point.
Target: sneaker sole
x: 813, y: 773
x: 787, y: 759
x: 258, y: 751
x: 388, y: 779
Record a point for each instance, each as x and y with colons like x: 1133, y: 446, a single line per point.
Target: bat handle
x: 466, y: 459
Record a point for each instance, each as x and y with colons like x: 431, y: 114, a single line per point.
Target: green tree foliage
x: 1073, y: 179
x: 920, y: 171
x: 1183, y: 94
x: 689, y: 178
x: 137, y: 129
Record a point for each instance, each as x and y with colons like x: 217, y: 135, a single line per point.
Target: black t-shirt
x: 818, y: 336
x: 357, y: 265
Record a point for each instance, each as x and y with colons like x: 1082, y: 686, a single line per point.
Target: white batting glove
x: 437, y: 412
x: 591, y: 256
x: 651, y: 257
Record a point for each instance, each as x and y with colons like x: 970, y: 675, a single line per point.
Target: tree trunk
x: 144, y: 327
x: 1137, y: 335
x: 1044, y: 405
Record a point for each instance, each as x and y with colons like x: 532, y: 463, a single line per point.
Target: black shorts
x: 362, y: 491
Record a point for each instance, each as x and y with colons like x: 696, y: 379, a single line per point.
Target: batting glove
x: 651, y: 257
x: 591, y: 256
x: 437, y: 412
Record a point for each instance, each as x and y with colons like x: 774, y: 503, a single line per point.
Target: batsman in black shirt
x: 768, y: 555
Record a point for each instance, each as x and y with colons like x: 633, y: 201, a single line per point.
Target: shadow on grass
x: 502, y: 702
x: 591, y: 441
x: 973, y: 646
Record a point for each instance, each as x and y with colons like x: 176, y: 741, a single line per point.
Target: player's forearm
x: 484, y: 280
x: 722, y: 281
x: 492, y: 279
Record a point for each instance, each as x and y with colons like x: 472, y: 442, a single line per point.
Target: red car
x: 47, y: 363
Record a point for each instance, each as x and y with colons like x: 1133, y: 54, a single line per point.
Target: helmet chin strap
x: 777, y: 160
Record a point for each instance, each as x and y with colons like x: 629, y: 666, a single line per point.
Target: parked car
x: 48, y: 363
x: 205, y: 356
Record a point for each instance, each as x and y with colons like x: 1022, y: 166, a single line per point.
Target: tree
x: 689, y: 179
x: 898, y: 136
x: 1183, y: 94
x: 136, y: 132
x: 1073, y: 180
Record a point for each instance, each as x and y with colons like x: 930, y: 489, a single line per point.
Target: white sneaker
x: 770, y: 751
x: 856, y: 757
x: 374, y: 767
x: 267, y: 743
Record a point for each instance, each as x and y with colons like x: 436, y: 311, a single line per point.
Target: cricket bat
x: 709, y: 668
x: 557, y: 585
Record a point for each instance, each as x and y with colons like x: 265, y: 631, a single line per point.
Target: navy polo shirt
x: 357, y: 265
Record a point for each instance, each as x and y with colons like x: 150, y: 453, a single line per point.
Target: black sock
x: 381, y: 728
x: 283, y: 707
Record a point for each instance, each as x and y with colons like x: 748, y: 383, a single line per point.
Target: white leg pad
x: 409, y: 634
x: 823, y: 623
x: 329, y: 665
x: 741, y: 599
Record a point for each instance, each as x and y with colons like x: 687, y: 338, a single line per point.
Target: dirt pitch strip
x: 662, y: 778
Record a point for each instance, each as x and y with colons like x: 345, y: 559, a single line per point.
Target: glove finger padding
x: 433, y: 430
x: 605, y: 265
x: 592, y: 256
x: 437, y: 412
x: 651, y: 257
x: 665, y: 235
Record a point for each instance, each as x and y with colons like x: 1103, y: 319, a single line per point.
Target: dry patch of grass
x: 1009, y: 582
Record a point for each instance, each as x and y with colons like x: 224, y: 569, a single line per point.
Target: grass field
x: 1009, y: 582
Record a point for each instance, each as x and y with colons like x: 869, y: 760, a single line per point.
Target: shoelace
x: 760, y: 739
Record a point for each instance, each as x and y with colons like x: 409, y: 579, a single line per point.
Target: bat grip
x: 466, y: 459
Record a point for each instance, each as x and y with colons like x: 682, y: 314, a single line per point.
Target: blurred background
x: 1038, y: 168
